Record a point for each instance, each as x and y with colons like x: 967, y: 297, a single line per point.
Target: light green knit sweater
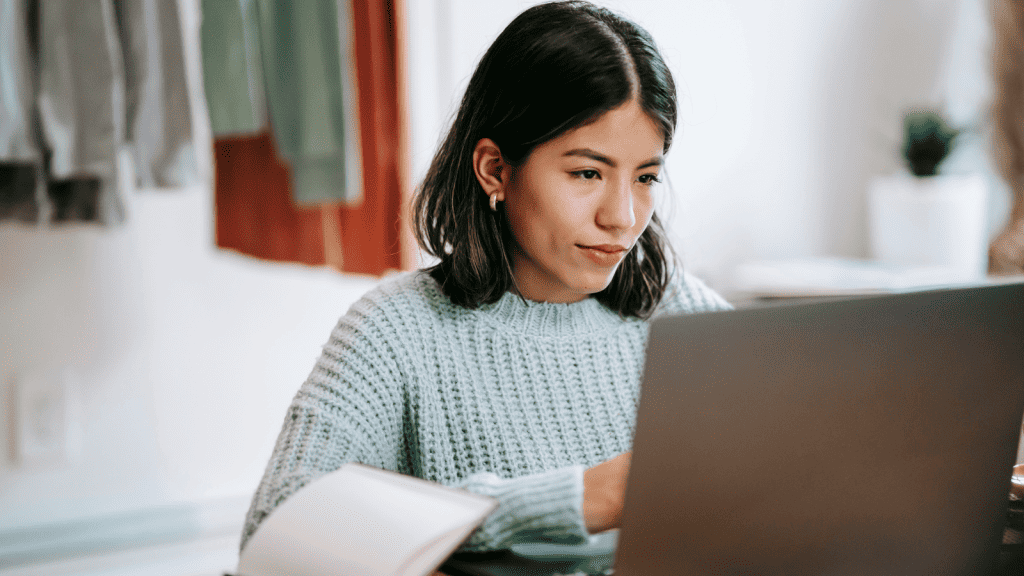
x: 513, y: 400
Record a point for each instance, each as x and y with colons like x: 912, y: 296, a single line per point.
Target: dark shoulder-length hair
x: 556, y: 67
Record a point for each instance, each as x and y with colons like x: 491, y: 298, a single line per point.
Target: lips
x: 606, y: 248
x: 603, y: 254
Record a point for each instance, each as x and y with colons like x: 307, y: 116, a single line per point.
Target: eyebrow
x: 594, y: 155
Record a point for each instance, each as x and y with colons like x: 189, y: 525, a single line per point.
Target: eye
x: 586, y: 174
x: 649, y: 179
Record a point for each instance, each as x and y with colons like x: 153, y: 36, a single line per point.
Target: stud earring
x: 494, y: 202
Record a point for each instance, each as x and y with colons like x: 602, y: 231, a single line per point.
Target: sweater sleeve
x: 350, y: 409
x: 687, y: 294
x: 547, y: 506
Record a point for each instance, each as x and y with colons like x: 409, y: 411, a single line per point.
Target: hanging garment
x: 19, y: 149
x: 293, y: 60
x: 253, y: 216
x: 305, y: 49
x: 232, y: 68
x: 157, y: 103
x: 372, y: 233
x: 81, y: 103
x: 306, y: 110
x: 89, y: 77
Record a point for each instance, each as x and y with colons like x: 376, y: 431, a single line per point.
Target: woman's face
x: 580, y: 202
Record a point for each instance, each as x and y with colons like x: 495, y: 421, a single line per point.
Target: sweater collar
x: 547, y: 319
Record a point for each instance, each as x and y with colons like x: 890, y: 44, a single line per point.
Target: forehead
x: 625, y: 134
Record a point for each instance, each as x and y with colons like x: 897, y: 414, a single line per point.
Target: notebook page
x: 361, y: 521
x: 434, y: 553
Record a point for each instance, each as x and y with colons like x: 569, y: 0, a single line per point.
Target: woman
x: 511, y: 368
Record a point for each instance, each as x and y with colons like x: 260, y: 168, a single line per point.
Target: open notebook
x: 363, y: 521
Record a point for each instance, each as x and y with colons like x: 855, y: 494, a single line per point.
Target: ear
x: 490, y: 168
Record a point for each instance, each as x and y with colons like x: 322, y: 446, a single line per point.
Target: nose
x: 616, y: 210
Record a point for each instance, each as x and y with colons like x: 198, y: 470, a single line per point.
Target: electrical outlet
x: 44, y: 418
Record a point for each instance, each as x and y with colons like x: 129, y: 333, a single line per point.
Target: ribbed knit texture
x: 513, y: 400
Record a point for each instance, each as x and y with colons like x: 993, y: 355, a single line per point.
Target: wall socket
x: 45, y: 431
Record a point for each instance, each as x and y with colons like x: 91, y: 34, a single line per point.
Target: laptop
x: 870, y: 436
x: 858, y: 437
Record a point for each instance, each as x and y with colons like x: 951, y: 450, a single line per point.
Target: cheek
x: 644, y: 208
x: 540, y: 214
x: 525, y: 219
x: 564, y: 215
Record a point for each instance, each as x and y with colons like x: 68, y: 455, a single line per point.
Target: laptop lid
x: 868, y: 436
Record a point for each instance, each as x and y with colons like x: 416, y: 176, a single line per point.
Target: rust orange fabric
x: 371, y: 233
x: 253, y: 202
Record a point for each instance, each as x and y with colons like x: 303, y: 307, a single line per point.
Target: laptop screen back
x: 869, y: 436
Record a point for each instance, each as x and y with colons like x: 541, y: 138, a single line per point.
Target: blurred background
x: 151, y: 341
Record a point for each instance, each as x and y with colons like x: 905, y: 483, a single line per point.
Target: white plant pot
x: 930, y: 221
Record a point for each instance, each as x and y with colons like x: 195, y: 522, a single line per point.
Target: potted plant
x: 922, y: 217
x: 927, y: 141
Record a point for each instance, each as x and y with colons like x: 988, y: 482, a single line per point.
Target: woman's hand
x: 604, y: 490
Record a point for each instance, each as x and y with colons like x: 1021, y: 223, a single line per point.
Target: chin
x: 592, y: 283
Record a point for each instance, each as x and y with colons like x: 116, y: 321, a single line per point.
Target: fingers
x: 604, y: 492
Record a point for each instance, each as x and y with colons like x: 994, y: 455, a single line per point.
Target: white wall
x: 187, y: 356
